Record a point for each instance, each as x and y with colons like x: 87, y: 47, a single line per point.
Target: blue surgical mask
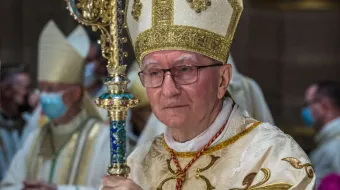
x: 307, y: 117
x: 89, y: 76
x: 52, y: 104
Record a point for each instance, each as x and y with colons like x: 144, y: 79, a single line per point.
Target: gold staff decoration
x: 107, y: 16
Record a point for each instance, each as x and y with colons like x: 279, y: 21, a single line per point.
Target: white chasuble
x: 248, y: 155
x: 79, y: 161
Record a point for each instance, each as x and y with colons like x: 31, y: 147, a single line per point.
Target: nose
x: 170, y: 88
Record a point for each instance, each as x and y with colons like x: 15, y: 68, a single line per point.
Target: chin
x: 172, y: 120
x: 174, y: 124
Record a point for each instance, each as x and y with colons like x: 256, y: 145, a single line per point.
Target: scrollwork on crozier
x: 199, y: 5
x: 183, y: 175
x: 249, y: 179
x: 108, y: 17
x: 298, y: 165
x: 98, y: 15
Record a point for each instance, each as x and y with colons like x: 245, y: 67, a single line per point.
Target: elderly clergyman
x: 209, y: 143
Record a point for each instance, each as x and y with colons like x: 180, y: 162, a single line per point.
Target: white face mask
x: 89, y: 77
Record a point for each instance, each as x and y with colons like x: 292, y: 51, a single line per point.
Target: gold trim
x: 70, y: 178
x: 249, y: 179
x: 182, y: 38
x: 199, y: 5
x: 207, y: 182
x: 216, y: 147
x: 84, y: 164
x: 164, y: 35
x: 274, y: 186
x: 65, y: 171
x: 182, y: 175
x: 213, y: 160
x: 266, y: 175
x: 160, y: 187
x: 298, y: 165
x: 162, y: 13
x: 31, y: 163
x: 120, y: 169
x: 235, y: 18
x: 80, y: 149
x: 37, y: 167
x: 205, y: 179
x: 136, y: 9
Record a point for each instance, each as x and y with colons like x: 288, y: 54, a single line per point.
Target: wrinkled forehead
x: 172, y: 57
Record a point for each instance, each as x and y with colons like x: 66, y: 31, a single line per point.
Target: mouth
x: 174, y: 106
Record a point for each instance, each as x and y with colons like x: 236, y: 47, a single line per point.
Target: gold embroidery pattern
x: 198, y: 173
x: 297, y: 164
x: 248, y: 180
x: 67, y: 165
x: 199, y: 5
x: 181, y: 38
x: 199, y: 170
x: 164, y: 35
x: 34, y: 152
x: 76, y: 158
x: 81, y: 178
x: 136, y: 9
x: 162, y: 13
x: 216, y: 147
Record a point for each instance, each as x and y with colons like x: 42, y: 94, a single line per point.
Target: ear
x: 73, y: 96
x: 225, y: 77
x: 78, y: 94
x: 326, y: 104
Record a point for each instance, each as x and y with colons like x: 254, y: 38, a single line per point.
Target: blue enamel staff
x: 108, y: 16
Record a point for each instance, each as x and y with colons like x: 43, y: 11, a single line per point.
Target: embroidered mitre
x: 203, y: 26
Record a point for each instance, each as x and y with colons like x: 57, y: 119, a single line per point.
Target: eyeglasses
x: 183, y: 74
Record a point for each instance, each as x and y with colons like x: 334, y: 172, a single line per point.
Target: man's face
x: 71, y: 93
x: 21, y: 87
x: 100, y: 68
x: 313, y: 103
x: 95, y: 57
x: 178, y: 105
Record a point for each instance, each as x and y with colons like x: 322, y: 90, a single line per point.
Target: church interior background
x: 284, y: 45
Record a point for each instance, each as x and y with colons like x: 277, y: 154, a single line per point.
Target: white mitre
x: 203, y: 26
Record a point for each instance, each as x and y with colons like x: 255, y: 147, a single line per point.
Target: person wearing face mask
x: 94, y: 76
x: 322, y: 111
x: 71, y: 151
x: 92, y: 79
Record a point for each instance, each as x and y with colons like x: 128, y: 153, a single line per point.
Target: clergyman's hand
x: 118, y: 183
x: 38, y: 185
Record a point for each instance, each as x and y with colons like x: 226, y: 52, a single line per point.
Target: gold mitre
x: 61, y: 59
x: 203, y: 26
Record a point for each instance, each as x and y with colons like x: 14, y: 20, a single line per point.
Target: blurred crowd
x: 35, y: 156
